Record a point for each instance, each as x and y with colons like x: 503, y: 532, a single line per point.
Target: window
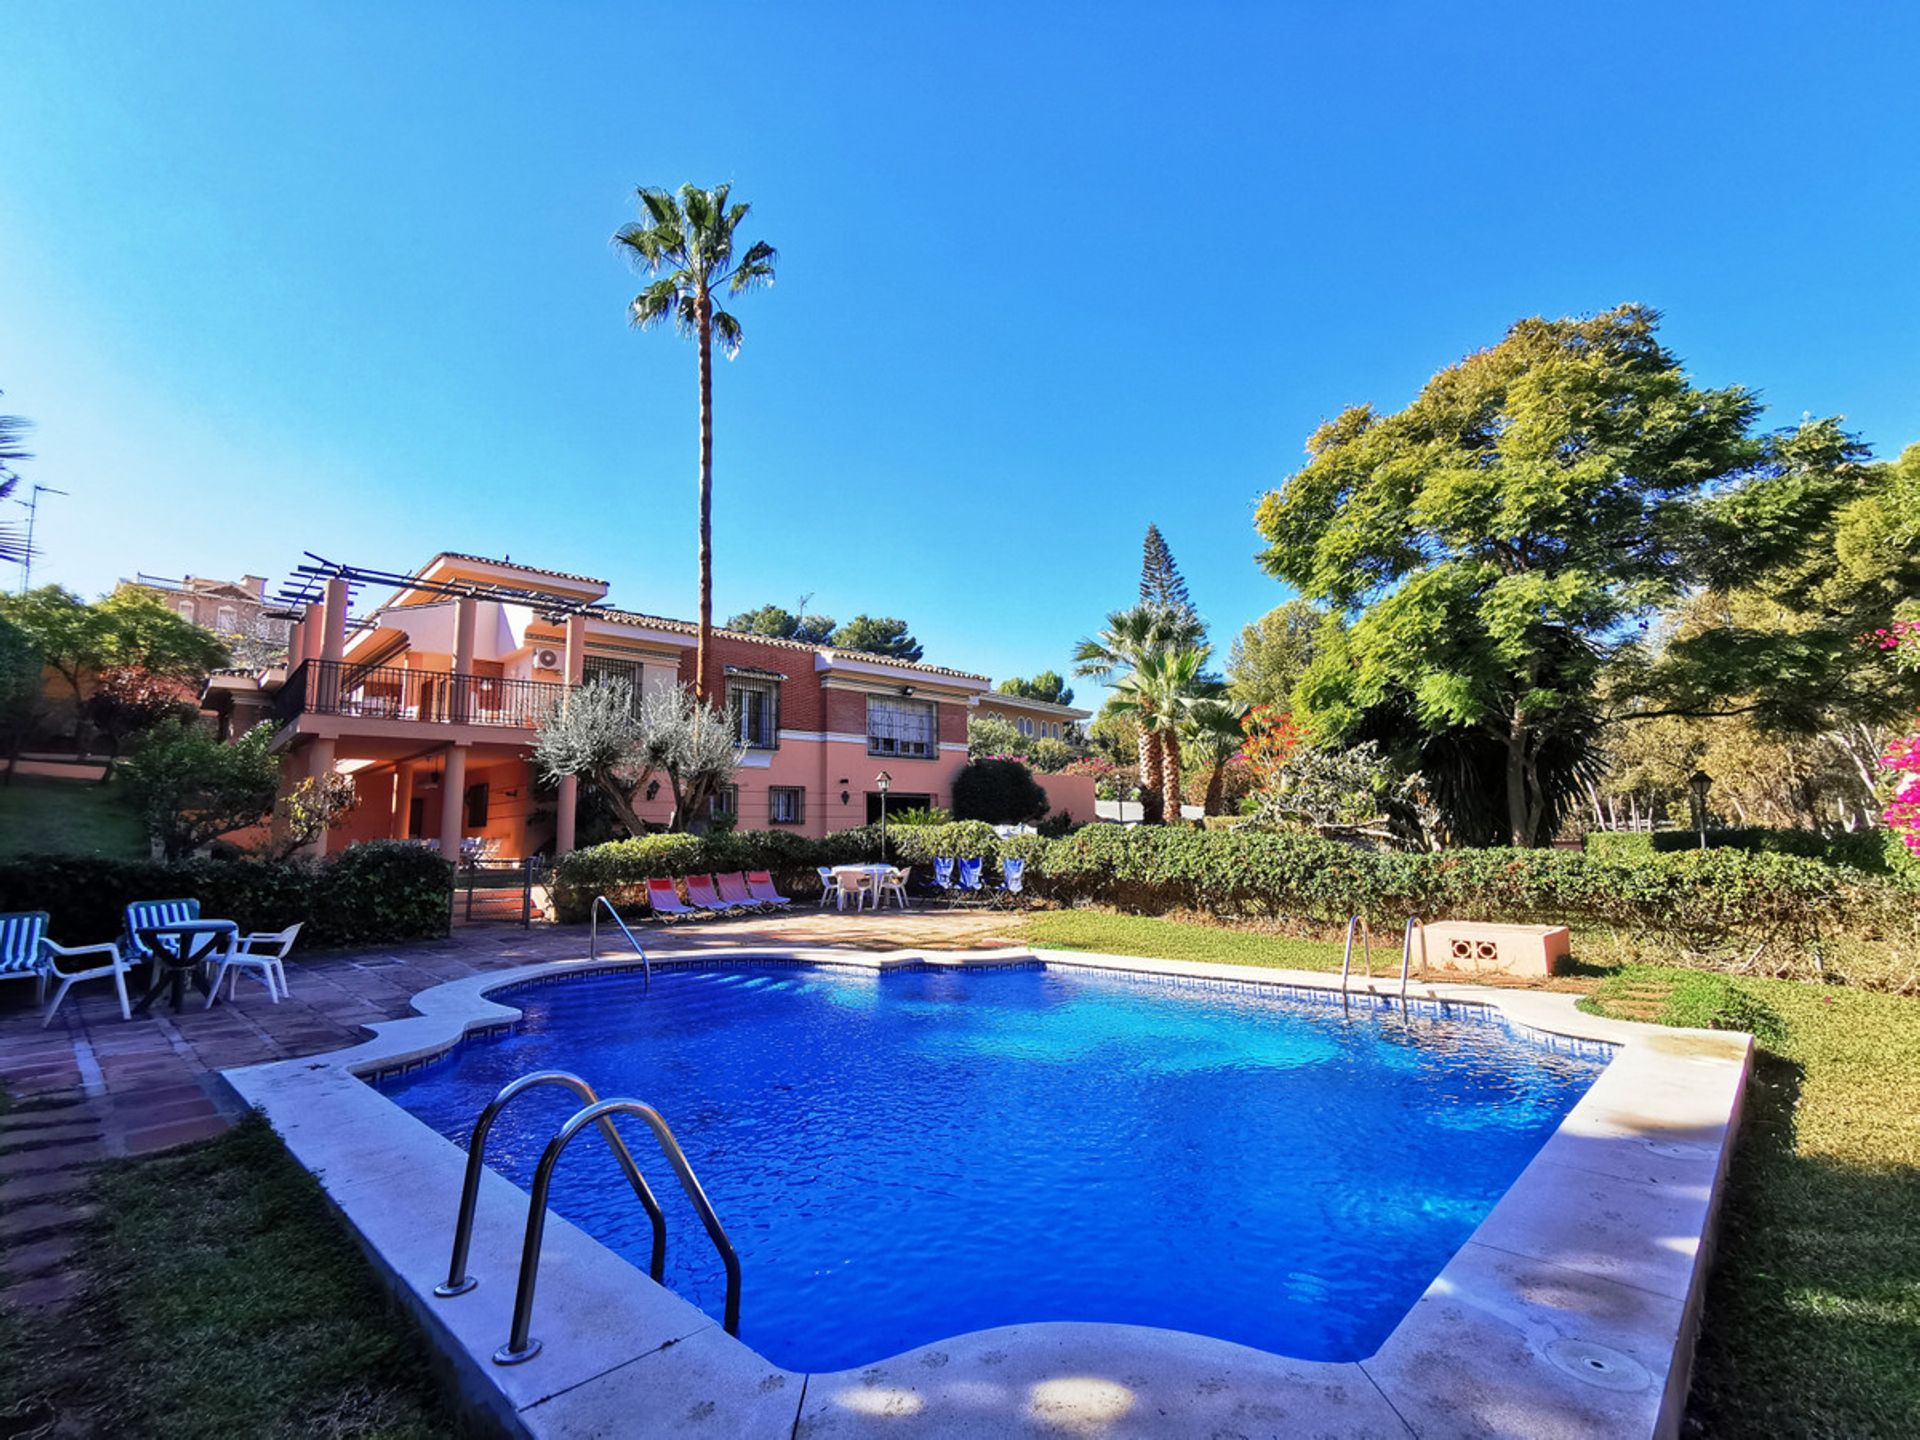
x: 185, y: 608
x: 754, y: 706
x: 229, y: 621
x: 600, y: 668
x: 1023, y: 725
x: 477, y: 805
x: 900, y: 727
x: 786, y: 805
x: 725, y: 804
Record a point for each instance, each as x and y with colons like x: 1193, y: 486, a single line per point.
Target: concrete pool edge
x: 1572, y: 1309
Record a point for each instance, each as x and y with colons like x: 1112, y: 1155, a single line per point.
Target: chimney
x: 256, y: 583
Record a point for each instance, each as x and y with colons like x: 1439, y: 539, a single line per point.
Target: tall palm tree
x: 1160, y: 694
x: 1211, y: 735
x: 13, y: 432
x: 686, y: 241
x: 1133, y: 639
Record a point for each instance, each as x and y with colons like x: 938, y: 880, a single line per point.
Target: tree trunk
x: 706, y: 500
x: 1216, y: 789
x: 1523, y: 785
x: 622, y: 804
x: 1149, y: 750
x: 1170, y: 777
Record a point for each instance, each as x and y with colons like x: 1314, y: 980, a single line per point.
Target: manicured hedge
x: 372, y: 894
x: 1706, y: 899
x: 1877, y: 852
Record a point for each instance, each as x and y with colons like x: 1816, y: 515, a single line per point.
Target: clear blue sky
x: 336, y: 276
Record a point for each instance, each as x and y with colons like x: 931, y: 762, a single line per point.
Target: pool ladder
x: 521, y: 1346
x: 600, y: 902
x: 1358, y: 924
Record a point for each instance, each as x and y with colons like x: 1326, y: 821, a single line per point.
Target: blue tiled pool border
x: 1477, y: 1013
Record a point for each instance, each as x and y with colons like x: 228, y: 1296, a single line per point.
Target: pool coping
x: 1571, y: 1310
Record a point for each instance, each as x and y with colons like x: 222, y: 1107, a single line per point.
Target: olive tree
x: 601, y: 734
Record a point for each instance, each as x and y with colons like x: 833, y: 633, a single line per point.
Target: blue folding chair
x: 970, y: 886
x: 1013, y: 876
x: 943, y: 877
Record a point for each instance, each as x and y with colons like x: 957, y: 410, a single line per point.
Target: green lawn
x: 1113, y: 934
x: 39, y: 815
x: 228, y: 1301
x: 1813, y: 1312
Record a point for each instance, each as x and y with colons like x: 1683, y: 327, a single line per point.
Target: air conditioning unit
x: 546, y: 659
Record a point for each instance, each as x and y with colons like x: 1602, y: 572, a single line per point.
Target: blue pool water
x: 904, y: 1158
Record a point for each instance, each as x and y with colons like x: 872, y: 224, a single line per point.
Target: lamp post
x: 883, y: 781
x: 1699, y: 783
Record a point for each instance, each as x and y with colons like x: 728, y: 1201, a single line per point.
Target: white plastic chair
x: 25, y: 950
x: 895, y: 884
x: 264, y: 952
x: 861, y: 885
x: 829, y: 887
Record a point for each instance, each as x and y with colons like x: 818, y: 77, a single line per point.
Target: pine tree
x: 1161, y: 583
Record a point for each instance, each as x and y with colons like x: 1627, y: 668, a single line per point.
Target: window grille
x: 754, y: 706
x: 786, y: 805
x: 900, y: 727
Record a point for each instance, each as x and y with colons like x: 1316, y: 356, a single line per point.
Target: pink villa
x: 430, y: 701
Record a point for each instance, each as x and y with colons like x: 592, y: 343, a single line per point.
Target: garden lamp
x: 1699, y: 783
x: 882, y: 782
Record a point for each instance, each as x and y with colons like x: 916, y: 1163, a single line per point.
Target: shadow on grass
x: 1812, y: 1323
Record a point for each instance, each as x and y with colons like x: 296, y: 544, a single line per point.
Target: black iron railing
x: 390, y: 692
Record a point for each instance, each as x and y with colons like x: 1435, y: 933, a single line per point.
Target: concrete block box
x: 1508, y: 949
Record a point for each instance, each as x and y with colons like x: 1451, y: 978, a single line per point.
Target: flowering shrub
x: 1272, y: 738
x: 1902, y: 812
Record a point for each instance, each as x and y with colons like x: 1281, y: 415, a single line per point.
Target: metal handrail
x: 1414, y: 922
x: 520, y: 1345
x: 601, y: 902
x: 458, y: 1282
x: 1366, y: 948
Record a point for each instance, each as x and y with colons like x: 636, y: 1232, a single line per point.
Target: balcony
x: 391, y: 692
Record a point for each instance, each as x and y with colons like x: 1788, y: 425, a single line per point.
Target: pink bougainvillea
x: 1902, y: 812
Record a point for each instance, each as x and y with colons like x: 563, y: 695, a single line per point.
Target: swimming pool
x: 907, y: 1156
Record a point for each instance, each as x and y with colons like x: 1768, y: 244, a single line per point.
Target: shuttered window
x: 900, y: 727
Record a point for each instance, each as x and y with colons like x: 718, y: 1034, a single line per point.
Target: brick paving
x: 93, y: 1086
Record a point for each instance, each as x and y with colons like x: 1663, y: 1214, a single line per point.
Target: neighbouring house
x: 235, y: 610
x: 430, y: 700
x: 1036, y: 719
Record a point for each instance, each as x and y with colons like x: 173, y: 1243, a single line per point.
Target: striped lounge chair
x: 26, y: 951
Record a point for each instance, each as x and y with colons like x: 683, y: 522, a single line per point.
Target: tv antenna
x: 32, y: 504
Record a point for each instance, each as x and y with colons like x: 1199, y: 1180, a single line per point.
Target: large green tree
x: 684, y: 244
x: 129, y: 631
x: 1047, y: 686
x: 1270, y: 655
x: 877, y: 635
x: 783, y: 624
x: 1499, y: 541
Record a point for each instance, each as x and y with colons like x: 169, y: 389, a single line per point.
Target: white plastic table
x: 879, y: 875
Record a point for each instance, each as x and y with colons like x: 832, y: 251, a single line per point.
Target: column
x: 402, y: 799
x: 333, y: 644
x: 567, y: 809
x: 320, y: 758
x: 463, y: 619
x: 453, y: 802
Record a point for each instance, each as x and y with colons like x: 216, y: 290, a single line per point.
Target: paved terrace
x: 92, y: 1085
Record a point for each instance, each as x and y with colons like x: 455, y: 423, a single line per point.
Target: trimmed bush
x: 380, y: 893
x: 1000, y: 792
